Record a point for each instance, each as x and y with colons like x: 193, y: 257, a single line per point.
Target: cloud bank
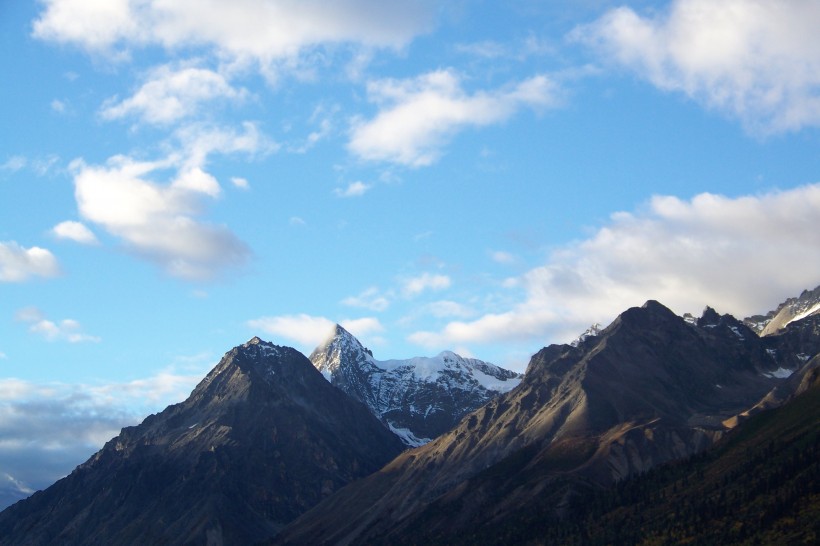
x: 740, y: 255
x: 46, y: 429
x: 262, y: 31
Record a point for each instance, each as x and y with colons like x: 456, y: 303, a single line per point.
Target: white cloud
x: 354, y: 189
x: 371, y: 298
x: 419, y: 116
x: 3, y: 356
x: 64, y: 330
x: 240, y: 183
x: 171, y: 94
x: 75, y: 231
x: 309, y: 331
x: 19, y: 264
x: 426, y: 281
x: 264, y: 31
x: 161, y: 222
x: 757, y: 60
x: 297, y: 221
x: 740, y: 255
x: 199, y: 140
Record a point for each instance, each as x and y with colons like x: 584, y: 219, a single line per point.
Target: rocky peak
x: 592, y: 331
x: 791, y: 310
x: 417, y: 398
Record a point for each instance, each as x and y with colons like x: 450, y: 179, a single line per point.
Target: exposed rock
x: 417, y: 398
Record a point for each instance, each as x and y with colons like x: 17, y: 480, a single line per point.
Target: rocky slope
x: 418, y: 398
x: 260, y: 440
x: 805, y: 305
x: 648, y: 389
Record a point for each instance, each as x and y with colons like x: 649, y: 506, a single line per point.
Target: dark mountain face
x: 417, y: 398
x: 648, y: 389
x: 260, y: 440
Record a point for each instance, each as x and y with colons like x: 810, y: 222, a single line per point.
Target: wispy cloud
x: 14, y: 163
x: 414, y: 286
x: 170, y: 94
x: 371, y: 298
x: 756, y: 60
x: 502, y: 257
x: 735, y: 254
x: 354, y: 189
x: 64, y: 330
x: 240, y: 183
x: 417, y: 117
x: 19, y: 264
x: 46, y: 429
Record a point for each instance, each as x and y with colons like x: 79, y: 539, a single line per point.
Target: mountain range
x: 273, y: 447
x: 648, y: 389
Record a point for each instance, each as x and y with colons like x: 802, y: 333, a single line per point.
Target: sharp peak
x: 256, y: 340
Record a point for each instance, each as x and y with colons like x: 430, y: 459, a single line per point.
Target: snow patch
x: 780, y: 373
x: 407, y: 436
x: 810, y: 311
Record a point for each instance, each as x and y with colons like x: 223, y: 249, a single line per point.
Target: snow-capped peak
x: 422, y: 396
x: 592, y: 331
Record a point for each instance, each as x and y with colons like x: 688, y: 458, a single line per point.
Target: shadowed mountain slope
x: 648, y: 389
x: 260, y: 440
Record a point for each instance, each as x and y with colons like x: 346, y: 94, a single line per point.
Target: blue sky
x: 483, y: 177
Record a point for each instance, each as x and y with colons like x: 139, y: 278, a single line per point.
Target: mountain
x: 261, y: 439
x: 648, y: 389
x: 805, y: 305
x: 758, y: 485
x: 418, y: 398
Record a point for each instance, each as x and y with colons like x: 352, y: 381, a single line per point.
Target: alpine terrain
x: 805, y: 305
x: 418, y: 398
x: 260, y: 440
x: 650, y: 388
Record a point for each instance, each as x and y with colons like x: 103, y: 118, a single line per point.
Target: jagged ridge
x: 418, y: 398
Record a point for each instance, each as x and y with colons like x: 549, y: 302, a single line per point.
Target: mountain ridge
x: 649, y: 388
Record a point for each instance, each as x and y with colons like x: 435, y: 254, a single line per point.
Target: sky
x: 482, y: 177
